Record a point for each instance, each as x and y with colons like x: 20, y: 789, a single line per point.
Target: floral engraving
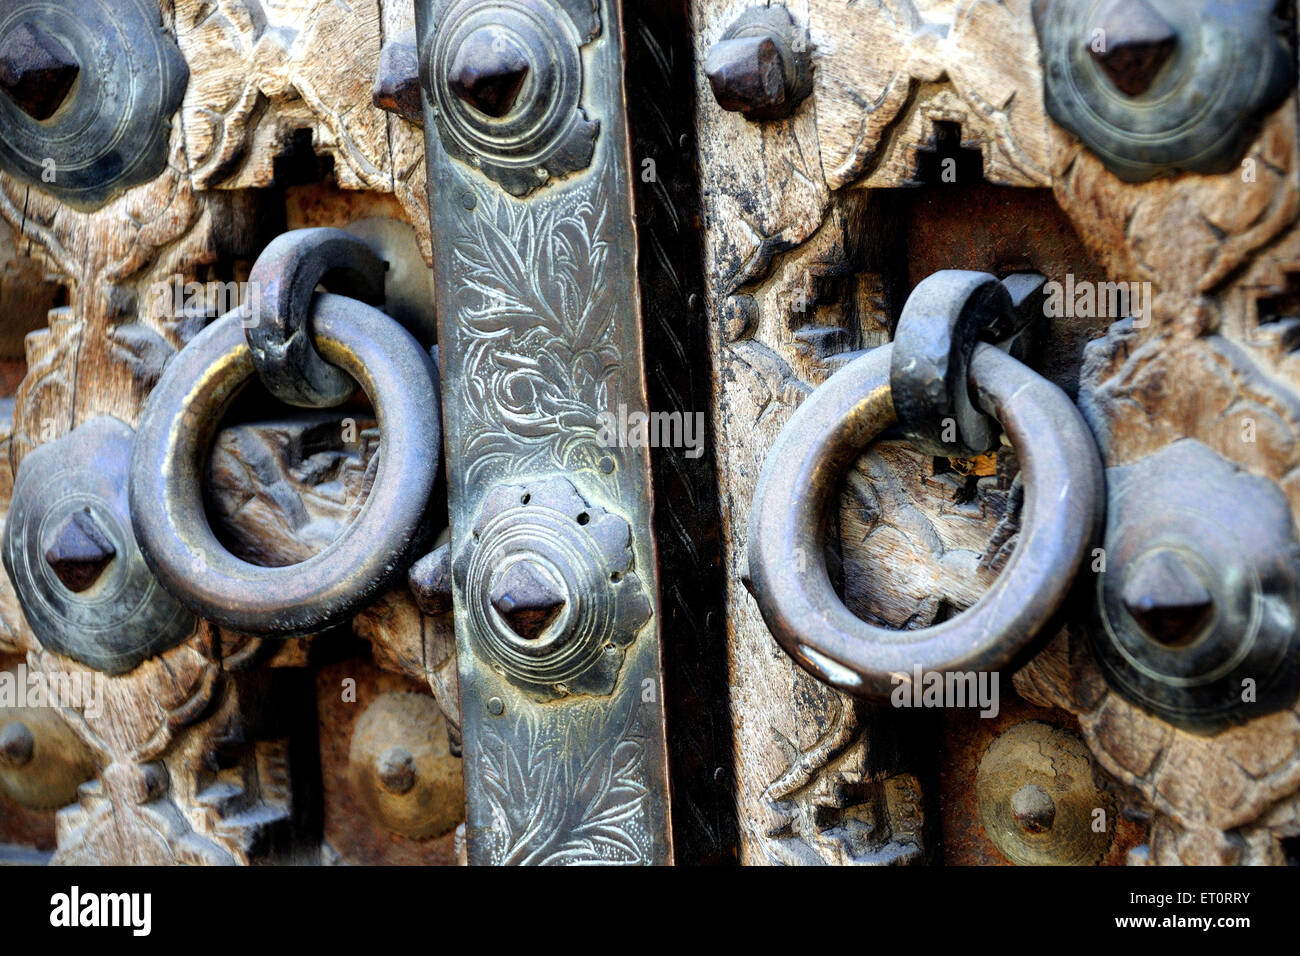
x: 566, y: 788
x: 537, y: 344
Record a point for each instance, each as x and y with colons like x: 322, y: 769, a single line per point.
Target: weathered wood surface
x: 811, y: 247
x: 815, y: 228
x: 191, y: 769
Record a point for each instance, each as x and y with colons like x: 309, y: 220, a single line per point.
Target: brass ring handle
x: 170, y: 454
x: 1063, y: 509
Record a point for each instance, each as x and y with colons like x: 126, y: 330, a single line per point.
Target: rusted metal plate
x: 555, y: 585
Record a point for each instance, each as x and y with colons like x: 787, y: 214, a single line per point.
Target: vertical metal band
x: 540, y: 341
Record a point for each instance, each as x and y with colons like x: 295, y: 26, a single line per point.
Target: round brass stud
x: 68, y: 549
x: 87, y: 91
x: 42, y: 762
x: 401, y: 767
x: 1038, y: 801
x: 551, y: 588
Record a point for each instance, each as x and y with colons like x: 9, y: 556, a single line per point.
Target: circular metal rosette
x: 1199, y: 602
x: 70, y: 553
x: 401, y: 768
x: 504, y: 79
x: 88, y: 90
x: 1038, y: 799
x: 549, y: 589
x: 1160, y: 86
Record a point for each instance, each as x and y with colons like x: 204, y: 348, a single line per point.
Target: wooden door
x: 339, y: 747
x: 794, y: 173
x: 1008, y: 138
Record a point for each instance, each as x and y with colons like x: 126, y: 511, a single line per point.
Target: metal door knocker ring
x: 170, y: 454
x: 1062, y: 474
x: 283, y: 280
x: 944, y: 318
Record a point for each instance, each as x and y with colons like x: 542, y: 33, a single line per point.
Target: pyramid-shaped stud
x: 1131, y: 41
x: 746, y: 74
x: 528, y: 597
x: 78, y: 550
x: 36, y: 70
x: 1167, y: 598
x: 488, y: 72
x: 397, y: 80
x: 430, y: 581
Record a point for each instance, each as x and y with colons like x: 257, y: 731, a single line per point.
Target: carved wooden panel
x: 188, y: 763
x: 781, y: 224
x: 926, y: 144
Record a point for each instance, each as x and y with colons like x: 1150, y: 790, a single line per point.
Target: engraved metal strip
x: 555, y: 583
